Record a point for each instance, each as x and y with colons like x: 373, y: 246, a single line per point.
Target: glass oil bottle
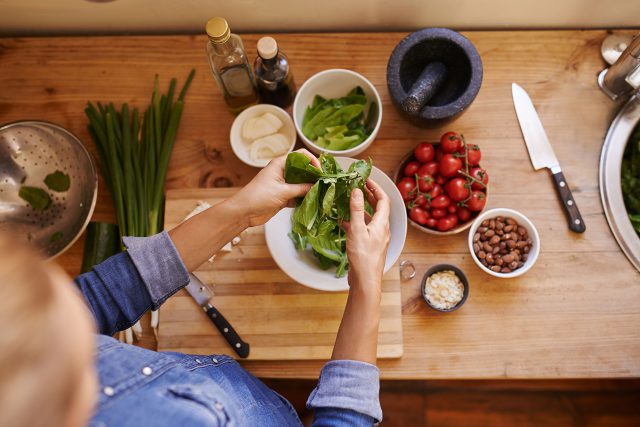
x: 273, y: 74
x: 230, y: 66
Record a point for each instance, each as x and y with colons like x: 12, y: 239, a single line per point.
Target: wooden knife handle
x: 576, y: 223
x: 240, y: 347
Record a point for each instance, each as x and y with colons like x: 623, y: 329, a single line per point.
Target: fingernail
x: 356, y: 194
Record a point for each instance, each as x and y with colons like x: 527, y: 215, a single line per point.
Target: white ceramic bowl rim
x: 523, y: 221
x: 366, y: 142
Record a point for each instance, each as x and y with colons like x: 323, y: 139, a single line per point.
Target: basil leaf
x: 58, y: 181
x: 36, y: 197
x: 299, y: 241
x: 298, y: 169
x: 307, y: 212
x: 328, y: 163
x: 327, y: 201
x: 342, y: 267
x: 56, y: 236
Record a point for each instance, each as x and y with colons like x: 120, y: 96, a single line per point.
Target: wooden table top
x: 575, y: 314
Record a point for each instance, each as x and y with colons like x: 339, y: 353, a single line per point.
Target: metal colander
x: 29, y: 151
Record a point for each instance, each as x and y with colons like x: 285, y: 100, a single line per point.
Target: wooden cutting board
x: 279, y: 318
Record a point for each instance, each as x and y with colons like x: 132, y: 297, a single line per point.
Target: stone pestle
x: 423, y: 89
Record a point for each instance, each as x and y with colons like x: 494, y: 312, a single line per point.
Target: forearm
x: 120, y: 289
x: 200, y: 237
x: 358, y: 333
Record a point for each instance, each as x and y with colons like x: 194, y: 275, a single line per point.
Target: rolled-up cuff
x: 159, y: 264
x: 348, y: 384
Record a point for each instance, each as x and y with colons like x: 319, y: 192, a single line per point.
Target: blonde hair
x: 37, y: 376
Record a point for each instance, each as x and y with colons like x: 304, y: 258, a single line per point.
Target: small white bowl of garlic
x: 260, y: 133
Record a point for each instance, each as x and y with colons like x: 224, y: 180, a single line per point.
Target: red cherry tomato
x: 430, y: 168
x: 439, y: 154
x: 450, y: 165
x: 419, y: 215
x: 453, y: 218
x: 447, y: 223
x: 424, y: 152
x: 432, y: 223
x: 441, y: 180
x: 477, y: 201
x: 440, y: 202
x: 407, y: 187
x: 457, y: 189
x: 482, y: 176
x: 438, y: 213
x: 450, y: 142
x: 473, y: 155
x: 411, y: 168
x: 421, y: 201
x: 464, y: 214
x: 452, y: 208
x: 425, y: 182
x: 436, y: 191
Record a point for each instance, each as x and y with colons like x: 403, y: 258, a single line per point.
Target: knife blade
x: 542, y: 155
x: 202, y: 295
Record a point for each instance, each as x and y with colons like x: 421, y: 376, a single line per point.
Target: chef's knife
x: 542, y: 155
x: 202, y: 295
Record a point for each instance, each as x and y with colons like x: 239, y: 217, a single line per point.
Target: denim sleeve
x: 347, y: 394
x: 122, y: 288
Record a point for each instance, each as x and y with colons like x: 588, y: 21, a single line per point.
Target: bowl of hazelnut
x: 504, y: 243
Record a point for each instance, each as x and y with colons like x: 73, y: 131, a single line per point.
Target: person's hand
x: 267, y: 193
x: 367, y: 239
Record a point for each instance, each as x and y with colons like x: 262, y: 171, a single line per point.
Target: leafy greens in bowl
x: 339, y: 123
x: 630, y: 180
x: 316, y: 221
x: 337, y: 111
x: 303, y: 265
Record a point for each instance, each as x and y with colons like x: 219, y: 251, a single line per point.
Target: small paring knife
x: 202, y: 295
x: 542, y: 155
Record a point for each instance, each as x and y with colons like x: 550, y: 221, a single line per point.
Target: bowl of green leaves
x: 307, y: 242
x: 337, y: 111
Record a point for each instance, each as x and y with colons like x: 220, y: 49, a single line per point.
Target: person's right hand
x: 367, y: 241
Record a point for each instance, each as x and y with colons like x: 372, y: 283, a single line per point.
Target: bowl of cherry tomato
x: 443, y: 185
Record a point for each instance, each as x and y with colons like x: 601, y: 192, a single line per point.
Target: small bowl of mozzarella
x: 261, y: 133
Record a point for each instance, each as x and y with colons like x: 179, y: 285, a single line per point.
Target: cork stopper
x: 267, y: 47
x: 218, y: 30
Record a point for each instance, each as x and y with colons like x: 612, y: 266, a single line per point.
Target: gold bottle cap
x: 218, y: 30
x: 267, y: 47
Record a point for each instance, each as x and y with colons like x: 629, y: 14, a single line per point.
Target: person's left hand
x: 267, y: 193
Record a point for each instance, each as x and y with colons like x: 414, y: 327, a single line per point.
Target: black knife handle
x: 227, y: 331
x: 576, y: 223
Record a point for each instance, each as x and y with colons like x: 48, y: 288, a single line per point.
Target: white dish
x: 302, y: 266
x: 521, y: 220
x: 241, y: 146
x: 335, y: 83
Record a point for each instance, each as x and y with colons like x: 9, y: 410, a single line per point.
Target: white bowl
x: 335, y: 83
x: 303, y: 267
x: 521, y: 220
x: 240, y: 146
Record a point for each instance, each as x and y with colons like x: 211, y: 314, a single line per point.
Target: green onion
x: 134, y: 155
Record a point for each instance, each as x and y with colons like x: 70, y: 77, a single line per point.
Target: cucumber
x: 103, y: 241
